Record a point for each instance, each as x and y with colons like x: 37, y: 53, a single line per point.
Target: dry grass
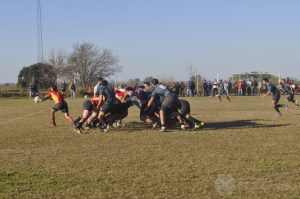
x: 243, y: 152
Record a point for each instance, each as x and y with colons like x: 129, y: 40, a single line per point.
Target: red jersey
x: 56, y: 97
x: 95, y: 101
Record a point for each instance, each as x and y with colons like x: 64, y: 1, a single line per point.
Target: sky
x: 159, y: 38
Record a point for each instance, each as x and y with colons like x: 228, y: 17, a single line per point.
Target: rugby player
x: 275, y: 95
x: 60, y: 104
x: 169, y: 102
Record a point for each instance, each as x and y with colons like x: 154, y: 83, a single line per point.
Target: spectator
x: 209, y: 87
x: 190, y: 89
x: 181, y: 89
x: 73, y: 90
x: 240, y: 87
x: 254, y: 85
x: 205, y: 88
x: 33, y: 91
x: 63, y: 88
x: 215, y: 88
x: 235, y: 88
x: 228, y: 87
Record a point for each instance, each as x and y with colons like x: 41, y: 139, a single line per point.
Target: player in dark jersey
x: 140, y: 98
x: 290, y: 94
x: 185, y: 112
x: 169, y: 102
x: 109, y: 100
x: 60, y: 104
x: 275, y: 95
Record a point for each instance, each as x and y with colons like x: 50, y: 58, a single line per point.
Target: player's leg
x: 85, y: 115
x: 105, y: 109
x: 64, y: 108
x: 162, y: 120
x: 52, y: 117
x: 228, y: 98
x: 276, y: 107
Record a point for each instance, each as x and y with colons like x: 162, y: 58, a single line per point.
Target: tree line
x: 84, y: 65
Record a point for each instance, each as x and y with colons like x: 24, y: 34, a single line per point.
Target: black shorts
x: 107, y: 107
x: 276, y: 97
x: 169, y: 102
x: 184, y: 107
x: 63, y: 106
x: 87, y: 105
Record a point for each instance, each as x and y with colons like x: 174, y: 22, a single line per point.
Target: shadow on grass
x: 239, y: 124
x: 140, y: 126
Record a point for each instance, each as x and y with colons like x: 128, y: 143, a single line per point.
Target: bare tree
x: 87, y: 63
x: 58, y: 59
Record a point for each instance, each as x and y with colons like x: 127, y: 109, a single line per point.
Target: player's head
x: 154, y: 82
x: 265, y: 80
x: 104, y: 83
x: 53, y: 87
x: 146, y: 85
x: 100, y: 79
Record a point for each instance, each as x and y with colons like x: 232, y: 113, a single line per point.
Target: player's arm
x: 267, y: 93
x: 150, y: 102
x: 100, y: 100
x: 48, y: 96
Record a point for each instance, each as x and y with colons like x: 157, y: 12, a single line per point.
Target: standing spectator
x: 73, y: 91
x: 235, y: 88
x: 209, y: 87
x: 228, y: 87
x: 33, y: 91
x: 215, y: 88
x: 205, y: 88
x: 63, y: 88
x: 254, y: 85
x: 182, y: 88
x: 240, y: 88
x: 248, y: 87
x: 244, y: 85
x: 190, y: 89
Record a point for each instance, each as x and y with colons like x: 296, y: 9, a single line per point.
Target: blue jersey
x: 109, y: 95
x: 161, y: 90
x: 272, y: 88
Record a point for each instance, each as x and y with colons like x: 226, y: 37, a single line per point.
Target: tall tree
x: 87, y: 62
x: 43, y: 75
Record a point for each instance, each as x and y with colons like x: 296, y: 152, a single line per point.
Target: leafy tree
x: 43, y: 75
x: 86, y: 63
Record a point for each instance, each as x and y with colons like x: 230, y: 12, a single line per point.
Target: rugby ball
x: 36, y: 99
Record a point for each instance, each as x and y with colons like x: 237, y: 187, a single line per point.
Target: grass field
x: 244, y: 151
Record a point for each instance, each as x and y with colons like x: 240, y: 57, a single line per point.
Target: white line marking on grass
x: 21, y: 117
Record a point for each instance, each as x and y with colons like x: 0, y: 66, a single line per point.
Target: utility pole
x: 40, y: 33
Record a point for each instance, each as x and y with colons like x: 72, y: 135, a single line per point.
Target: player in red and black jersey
x: 90, y: 111
x: 60, y: 104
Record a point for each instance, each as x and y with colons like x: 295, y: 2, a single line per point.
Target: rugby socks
x: 52, y: 119
x: 79, y: 125
x: 70, y: 119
